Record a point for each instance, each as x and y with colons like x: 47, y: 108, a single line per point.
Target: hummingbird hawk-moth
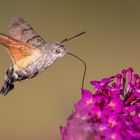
x: 30, y: 54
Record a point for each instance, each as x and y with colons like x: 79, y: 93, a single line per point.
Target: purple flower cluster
x: 112, y: 113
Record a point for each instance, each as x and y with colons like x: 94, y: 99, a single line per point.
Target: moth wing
x: 19, y: 51
x: 21, y: 30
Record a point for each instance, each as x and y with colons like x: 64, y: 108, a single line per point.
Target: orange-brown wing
x: 17, y: 50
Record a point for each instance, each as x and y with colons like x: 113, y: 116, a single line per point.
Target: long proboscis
x: 85, y: 67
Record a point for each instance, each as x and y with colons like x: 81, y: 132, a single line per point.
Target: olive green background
x: 36, y: 108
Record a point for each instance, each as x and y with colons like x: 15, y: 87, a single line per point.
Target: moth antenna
x: 68, y: 39
x: 85, y: 67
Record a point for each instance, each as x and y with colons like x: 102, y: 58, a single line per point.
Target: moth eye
x: 57, y: 51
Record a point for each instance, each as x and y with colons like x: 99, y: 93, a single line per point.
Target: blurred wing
x: 19, y: 52
x: 21, y: 30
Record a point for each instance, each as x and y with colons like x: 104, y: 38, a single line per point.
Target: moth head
x: 59, y: 50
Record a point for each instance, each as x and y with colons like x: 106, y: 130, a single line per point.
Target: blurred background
x: 36, y: 108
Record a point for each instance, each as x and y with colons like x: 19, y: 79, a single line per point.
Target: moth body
x: 31, y: 55
x: 40, y: 61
